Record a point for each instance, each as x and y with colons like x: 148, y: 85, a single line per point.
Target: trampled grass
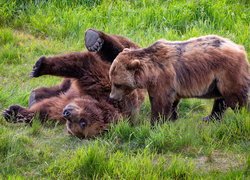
x: 185, y: 149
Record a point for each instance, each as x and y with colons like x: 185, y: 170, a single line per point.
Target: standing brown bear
x: 82, y: 100
x: 204, y: 67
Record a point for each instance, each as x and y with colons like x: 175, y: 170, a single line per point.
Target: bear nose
x: 67, y: 113
x: 111, y: 96
x: 114, y: 98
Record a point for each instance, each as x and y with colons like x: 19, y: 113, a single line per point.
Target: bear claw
x: 15, y: 114
x: 11, y: 113
x: 6, y: 115
x: 206, y: 119
x: 93, y: 41
x: 37, y: 67
x: 210, y: 118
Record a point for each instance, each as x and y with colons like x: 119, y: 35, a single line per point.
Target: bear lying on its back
x: 204, y: 67
x: 82, y: 100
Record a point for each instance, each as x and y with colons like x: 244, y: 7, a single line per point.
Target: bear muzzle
x: 114, y: 96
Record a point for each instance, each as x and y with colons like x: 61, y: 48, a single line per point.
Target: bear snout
x: 67, y: 113
x: 114, y: 96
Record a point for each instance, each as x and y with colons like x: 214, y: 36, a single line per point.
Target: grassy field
x: 185, y: 149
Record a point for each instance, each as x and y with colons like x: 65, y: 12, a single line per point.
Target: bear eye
x: 118, y: 86
x: 82, y: 123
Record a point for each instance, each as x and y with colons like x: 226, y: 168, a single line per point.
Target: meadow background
x: 185, y: 149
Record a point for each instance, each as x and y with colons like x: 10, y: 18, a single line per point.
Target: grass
x: 185, y: 149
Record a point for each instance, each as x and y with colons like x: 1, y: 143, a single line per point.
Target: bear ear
x: 135, y: 64
x: 126, y: 50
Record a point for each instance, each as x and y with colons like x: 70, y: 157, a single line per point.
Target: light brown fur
x: 204, y: 67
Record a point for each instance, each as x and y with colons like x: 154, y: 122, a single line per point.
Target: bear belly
x: 212, y: 92
x: 203, y: 91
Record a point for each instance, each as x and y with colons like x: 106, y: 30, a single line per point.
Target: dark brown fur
x: 204, y: 67
x: 45, y: 92
x: 86, y: 75
x: 91, y: 115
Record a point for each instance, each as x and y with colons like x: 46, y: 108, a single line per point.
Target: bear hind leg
x: 93, y: 40
x: 219, y: 107
x: 106, y: 46
x: 236, y: 102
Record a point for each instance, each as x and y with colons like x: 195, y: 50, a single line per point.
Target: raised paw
x: 17, y: 114
x: 37, y: 68
x: 93, y: 40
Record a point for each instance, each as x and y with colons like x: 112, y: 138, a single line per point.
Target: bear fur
x: 82, y: 100
x: 203, y: 67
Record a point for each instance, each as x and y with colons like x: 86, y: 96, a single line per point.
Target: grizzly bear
x: 204, y: 67
x: 83, y: 98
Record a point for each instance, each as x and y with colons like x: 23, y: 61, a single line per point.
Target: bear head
x: 87, y: 117
x: 123, y: 74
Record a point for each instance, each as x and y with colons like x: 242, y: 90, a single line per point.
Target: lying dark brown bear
x: 83, y: 98
x: 204, y: 67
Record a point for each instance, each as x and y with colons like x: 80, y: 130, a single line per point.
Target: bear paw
x: 37, y: 68
x: 93, y: 40
x: 13, y: 115
x: 206, y: 119
x: 174, y: 116
x: 211, y: 118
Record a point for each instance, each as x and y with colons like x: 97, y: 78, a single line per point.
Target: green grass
x: 185, y: 149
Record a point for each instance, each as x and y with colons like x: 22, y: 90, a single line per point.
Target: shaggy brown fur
x: 86, y: 88
x: 45, y: 92
x: 204, y: 67
x: 91, y: 115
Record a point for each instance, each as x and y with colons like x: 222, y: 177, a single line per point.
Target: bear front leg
x: 69, y: 65
x: 174, y: 113
x: 18, y: 114
x: 160, y: 109
x: 107, y: 46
